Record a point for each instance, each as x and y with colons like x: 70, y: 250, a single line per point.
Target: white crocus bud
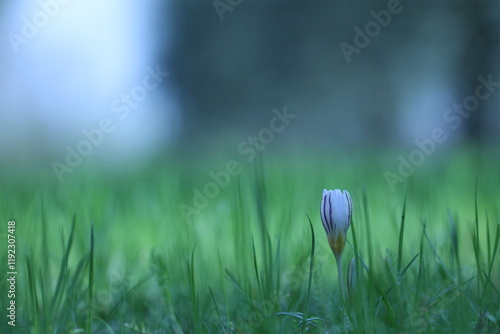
x: 336, y: 212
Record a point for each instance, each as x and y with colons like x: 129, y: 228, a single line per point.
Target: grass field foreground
x: 101, y: 253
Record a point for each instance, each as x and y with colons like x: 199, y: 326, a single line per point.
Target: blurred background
x: 69, y: 65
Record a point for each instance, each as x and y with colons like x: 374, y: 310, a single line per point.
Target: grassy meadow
x: 106, y: 252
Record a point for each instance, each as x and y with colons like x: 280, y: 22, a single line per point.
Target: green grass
x: 105, y: 253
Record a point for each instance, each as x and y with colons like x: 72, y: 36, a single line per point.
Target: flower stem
x: 338, y: 258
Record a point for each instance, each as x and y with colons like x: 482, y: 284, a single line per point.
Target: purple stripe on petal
x: 323, y: 213
x: 332, y: 223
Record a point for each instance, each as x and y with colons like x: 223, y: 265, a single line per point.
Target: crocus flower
x: 336, y: 212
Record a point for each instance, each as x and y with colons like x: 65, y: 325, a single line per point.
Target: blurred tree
x: 477, y: 57
x: 232, y: 72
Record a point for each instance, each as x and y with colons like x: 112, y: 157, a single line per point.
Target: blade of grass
x: 268, y: 275
x: 358, y: 261
x: 454, y: 243
x: 437, y: 257
x: 76, y: 275
x: 368, y: 228
x: 44, y: 296
x: 256, y: 270
x: 371, y: 279
x: 160, y: 270
x: 488, y: 241
x: 260, y: 200
x: 35, y: 316
x: 300, y: 316
x: 447, y: 291
x: 402, y: 273
x: 63, y: 272
x: 192, y: 289
x: 311, y: 266
x: 401, y: 231
x: 91, y: 280
x: 277, y: 280
x: 232, y: 280
x: 124, y: 297
x: 215, y: 303
x: 356, y: 253
x: 477, y: 248
x: 491, y: 283
x: 440, y: 295
x: 420, y: 275
x: 44, y: 274
x: 45, y: 244
x: 495, y: 248
x: 226, y: 299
